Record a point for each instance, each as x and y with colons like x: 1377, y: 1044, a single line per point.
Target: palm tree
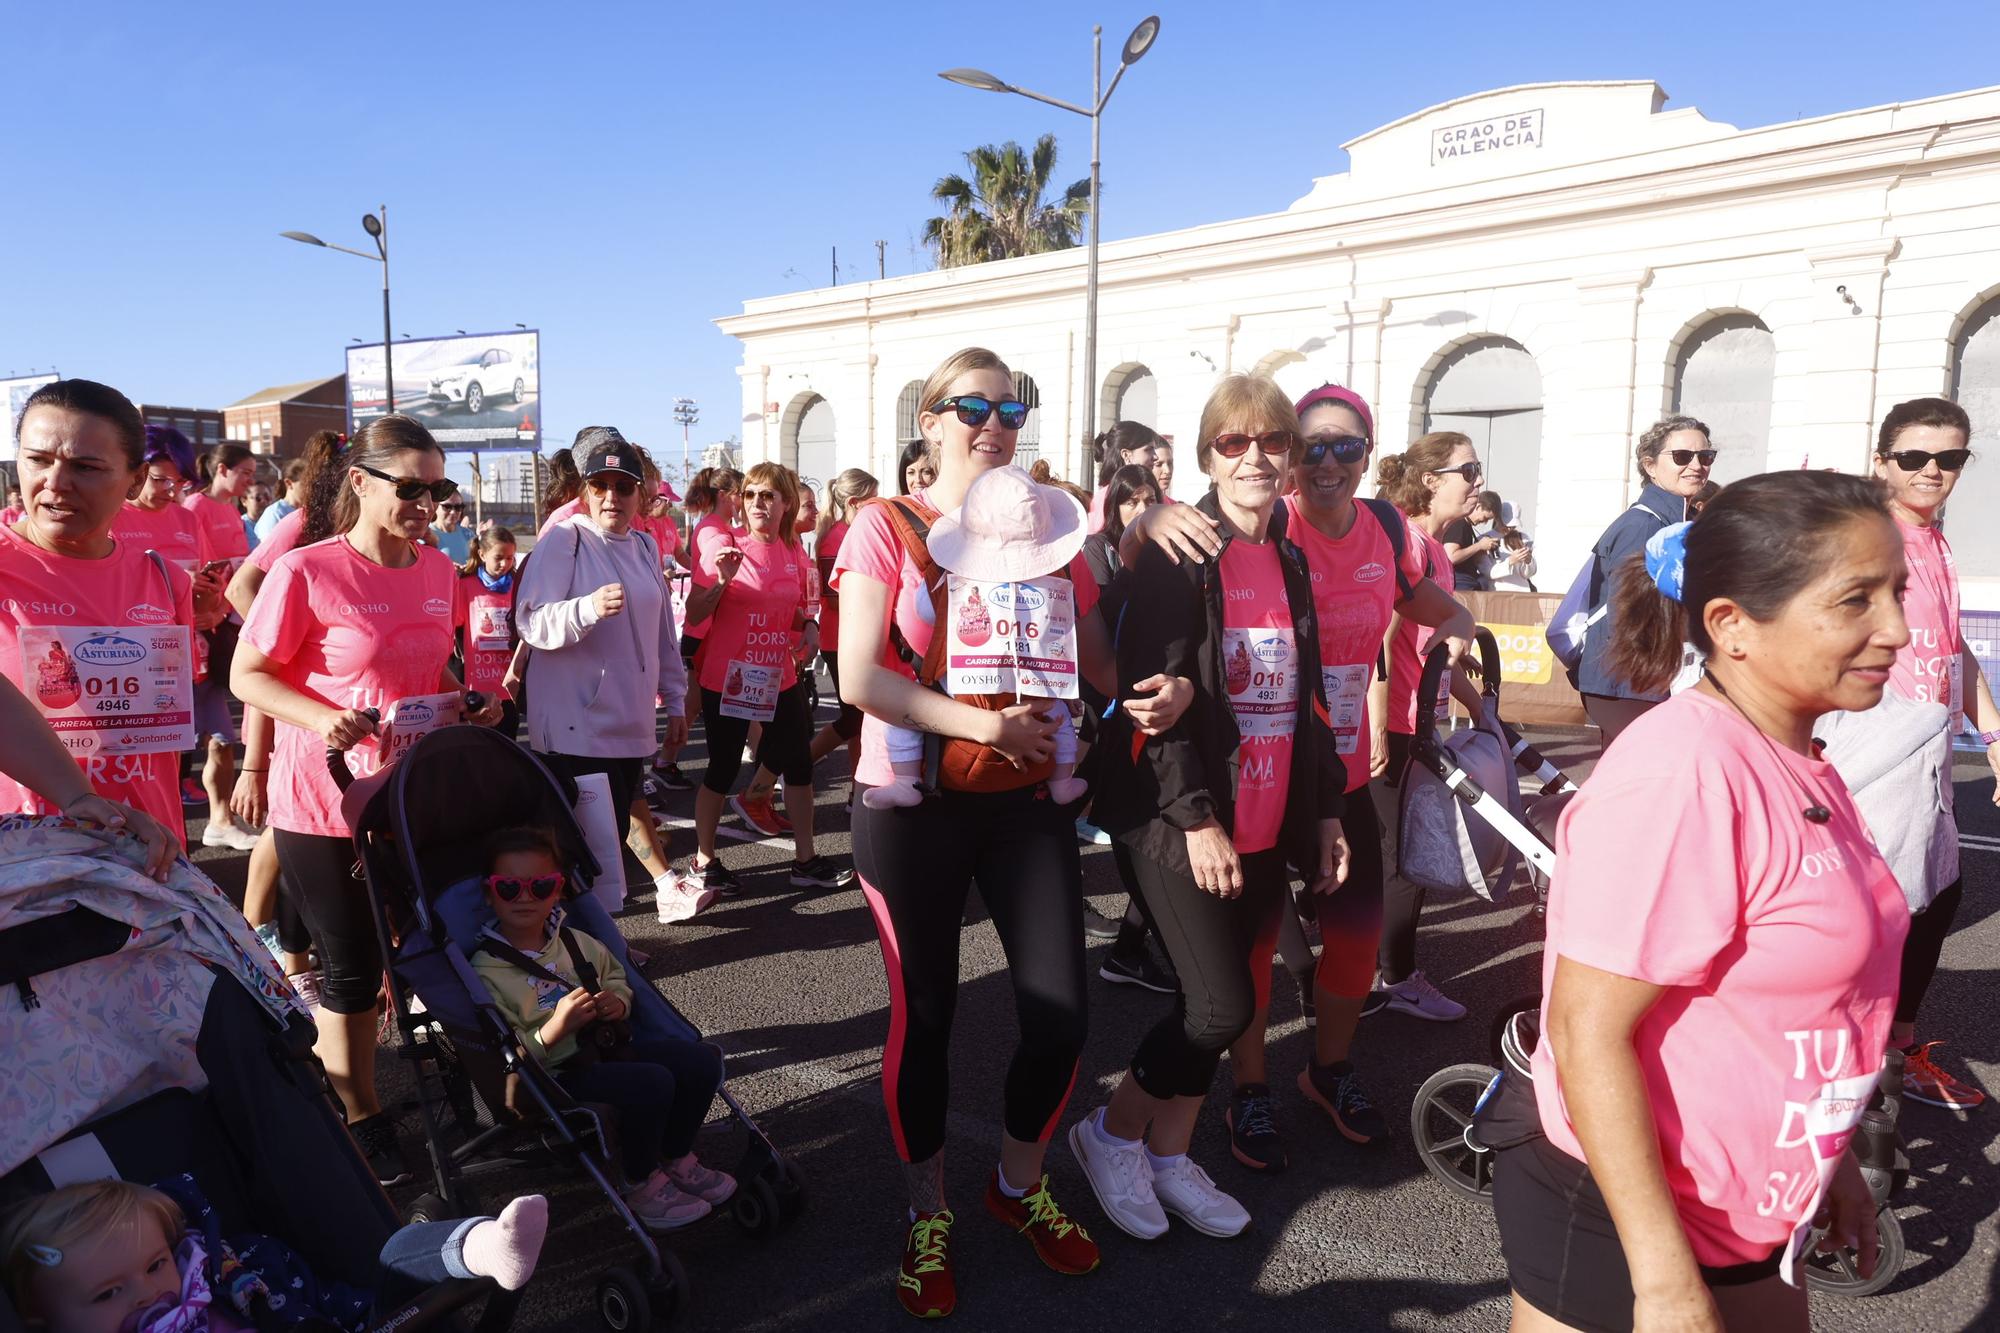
x: 1000, y: 212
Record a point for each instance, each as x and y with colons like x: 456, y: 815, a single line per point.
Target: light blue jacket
x: 1896, y: 760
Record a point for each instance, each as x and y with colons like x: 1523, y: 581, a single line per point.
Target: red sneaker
x: 1059, y: 1242
x: 1925, y: 1081
x: 758, y: 813
x: 925, y: 1285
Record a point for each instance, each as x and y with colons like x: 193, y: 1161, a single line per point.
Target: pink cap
x: 1334, y: 393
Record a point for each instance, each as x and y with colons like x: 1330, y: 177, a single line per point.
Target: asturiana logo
x: 1019, y: 597
x: 413, y: 714
x: 437, y: 606
x: 1272, y: 652
x: 145, y: 613
x: 110, y: 650
x: 1372, y: 572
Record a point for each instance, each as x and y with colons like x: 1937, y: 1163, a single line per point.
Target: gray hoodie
x: 1896, y: 760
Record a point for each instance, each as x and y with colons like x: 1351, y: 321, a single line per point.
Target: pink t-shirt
x: 557, y: 515
x: 171, y: 530
x: 752, y: 623
x: 351, y: 634
x: 872, y: 549
x: 712, y: 535
x: 1687, y: 862
x: 1354, y: 592
x: 829, y: 615
x: 1412, y: 641
x: 1260, y: 657
x: 39, y: 587
x: 284, y: 535
x: 664, y: 533
x: 1929, y: 667
x: 224, y: 525
x: 486, y: 619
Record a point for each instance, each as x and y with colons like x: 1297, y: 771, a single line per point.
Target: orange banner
x: 1533, y: 686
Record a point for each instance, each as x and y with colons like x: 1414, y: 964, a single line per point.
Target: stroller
x: 199, y: 1061
x: 485, y: 1103
x: 1445, y: 1119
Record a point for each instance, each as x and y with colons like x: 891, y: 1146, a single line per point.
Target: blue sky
x: 619, y: 175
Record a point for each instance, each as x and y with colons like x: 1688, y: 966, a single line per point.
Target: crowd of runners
x: 1746, y: 913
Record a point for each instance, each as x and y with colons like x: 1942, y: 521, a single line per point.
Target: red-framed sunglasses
x: 541, y: 887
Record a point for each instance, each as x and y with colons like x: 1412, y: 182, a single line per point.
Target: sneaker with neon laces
x: 193, y: 795
x: 1059, y: 1241
x: 757, y: 813
x: 924, y: 1282
x: 1416, y: 996
x: 1336, y: 1089
x: 661, y: 1205
x: 1186, y: 1191
x: 1925, y: 1081
x: 820, y: 873
x: 691, y: 1177
x: 1119, y: 1176
x: 1253, y: 1128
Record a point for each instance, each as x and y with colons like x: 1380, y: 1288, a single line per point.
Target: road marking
x: 1974, y: 842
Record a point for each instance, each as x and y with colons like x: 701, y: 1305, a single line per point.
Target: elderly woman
x: 66, y: 580
x: 1217, y: 812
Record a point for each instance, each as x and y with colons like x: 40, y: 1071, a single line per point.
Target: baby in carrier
x: 995, y: 570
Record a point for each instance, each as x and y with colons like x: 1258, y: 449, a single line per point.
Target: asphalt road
x: 791, y: 985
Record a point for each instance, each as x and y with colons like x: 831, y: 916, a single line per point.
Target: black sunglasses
x: 540, y: 888
x: 1347, y: 450
x: 1470, y: 471
x: 973, y: 410
x: 1682, y: 457
x: 459, y: 505
x: 611, y: 481
x: 1916, y: 460
x: 408, y: 489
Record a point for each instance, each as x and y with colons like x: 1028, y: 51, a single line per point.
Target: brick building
x: 277, y: 421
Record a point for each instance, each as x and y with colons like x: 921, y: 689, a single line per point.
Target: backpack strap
x: 1398, y: 533
x: 911, y: 521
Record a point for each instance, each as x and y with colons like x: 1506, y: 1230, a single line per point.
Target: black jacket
x: 1151, y: 790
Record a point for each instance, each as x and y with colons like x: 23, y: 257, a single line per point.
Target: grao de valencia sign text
x: 1495, y: 134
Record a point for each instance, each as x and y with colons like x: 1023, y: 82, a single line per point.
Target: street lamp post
x: 377, y: 226
x: 1136, y: 45
x: 687, y: 414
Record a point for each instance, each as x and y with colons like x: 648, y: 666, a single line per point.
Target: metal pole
x: 388, y: 371
x: 1090, y: 266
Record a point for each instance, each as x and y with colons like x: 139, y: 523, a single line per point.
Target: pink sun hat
x: 1009, y: 529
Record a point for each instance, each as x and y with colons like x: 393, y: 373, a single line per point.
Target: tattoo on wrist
x: 914, y: 725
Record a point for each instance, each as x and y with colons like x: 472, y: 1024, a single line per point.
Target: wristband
x: 253, y: 770
x: 1989, y: 738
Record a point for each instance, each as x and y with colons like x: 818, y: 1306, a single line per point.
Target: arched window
x: 1490, y: 390
x: 811, y: 455
x: 1292, y: 372
x: 1130, y: 394
x: 907, y: 408
x: 1723, y: 379
x: 1028, y: 444
x: 1975, y: 386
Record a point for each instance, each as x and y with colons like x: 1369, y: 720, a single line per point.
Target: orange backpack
x: 950, y: 763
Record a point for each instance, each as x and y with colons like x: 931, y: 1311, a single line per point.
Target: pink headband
x: 1333, y: 393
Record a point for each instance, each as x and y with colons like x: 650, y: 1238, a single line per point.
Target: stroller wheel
x: 1439, y: 1118
x: 756, y: 1208
x: 1837, y: 1274
x: 669, y: 1294
x: 427, y: 1207
x: 622, y: 1302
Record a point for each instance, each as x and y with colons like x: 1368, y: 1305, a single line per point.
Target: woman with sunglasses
x: 917, y: 863
x: 594, y: 610
x: 1673, y: 457
x: 1919, y: 455
x: 360, y: 621
x: 1217, y: 813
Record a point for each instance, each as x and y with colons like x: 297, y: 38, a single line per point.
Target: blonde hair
x: 780, y: 479
x: 964, y: 361
x: 844, y: 492
x: 62, y: 1219
x: 1253, y: 403
x: 1400, y: 477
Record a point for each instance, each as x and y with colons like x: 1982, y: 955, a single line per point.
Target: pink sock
x: 505, y: 1248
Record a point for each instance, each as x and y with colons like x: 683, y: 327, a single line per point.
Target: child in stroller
x: 110, y: 1256
x: 566, y: 994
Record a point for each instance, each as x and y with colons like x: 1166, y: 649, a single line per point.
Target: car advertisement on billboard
x: 473, y: 391
x: 16, y: 391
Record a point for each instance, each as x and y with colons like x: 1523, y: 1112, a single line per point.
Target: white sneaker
x: 1120, y: 1177
x: 230, y: 835
x: 306, y: 986
x: 1185, y: 1190
x: 1414, y: 995
x: 661, y: 1206
x: 679, y: 902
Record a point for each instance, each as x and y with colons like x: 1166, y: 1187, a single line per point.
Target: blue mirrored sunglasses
x: 1347, y: 450
x: 973, y: 410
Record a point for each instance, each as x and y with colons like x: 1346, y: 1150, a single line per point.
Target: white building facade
x: 1549, y: 268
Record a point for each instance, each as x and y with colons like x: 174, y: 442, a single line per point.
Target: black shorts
x: 1562, y: 1251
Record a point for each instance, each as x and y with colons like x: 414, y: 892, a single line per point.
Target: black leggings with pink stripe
x: 916, y: 864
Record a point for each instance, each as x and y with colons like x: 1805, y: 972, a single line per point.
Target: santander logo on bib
x: 1372, y: 572
x: 437, y: 606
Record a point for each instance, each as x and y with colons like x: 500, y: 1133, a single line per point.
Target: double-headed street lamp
x: 1136, y: 45
x: 377, y: 226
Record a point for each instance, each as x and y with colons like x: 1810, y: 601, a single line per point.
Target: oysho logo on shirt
x: 364, y: 608
x: 437, y: 606
x: 1372, y: 572
x: 37, y: 608
x: 145, y: 613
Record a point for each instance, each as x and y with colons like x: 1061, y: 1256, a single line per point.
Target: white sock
x: 1158, y: 1162
x: 505, y: 1248
x: 1000, y: 1176
x: 1104, y: 1135
x: 666, y: 882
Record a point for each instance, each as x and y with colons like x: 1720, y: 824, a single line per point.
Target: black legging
x: 1350, y: 919
x: 848, y: 725
x: 1211, y: 941
x: 916, y: 864
x: 1922, y: 948
x: 318, y: 875
x: 1402, y: 901
x: 786, y: 748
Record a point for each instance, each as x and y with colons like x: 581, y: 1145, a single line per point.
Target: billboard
x: 16, y: 392
x: 473, y: 391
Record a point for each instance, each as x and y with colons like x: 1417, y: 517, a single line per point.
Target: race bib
x: 1347, y: 702
x: 491, y: 625
x: 1011, y: 638
x: 415, y: 716
x: 1261, y: 671
x: 128, y: 690
x: 751, y: 691
x: 1828, y: 1123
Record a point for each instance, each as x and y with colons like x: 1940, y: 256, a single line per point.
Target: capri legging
x: 1211, y: 941
x: 786, y: 748
x: 1922, y: 948
x: 848, y: 725
x: 318, y: 874
x: 916, y: 864
x: 1350, y: 918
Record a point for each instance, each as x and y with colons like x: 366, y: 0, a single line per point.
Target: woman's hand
x: 1378, y: 745
x: 1023, y: 734
x: 346, y: 728
x: 250, y: 801
x: 610, y: 600
x: 1179, y: 530
x: 1213, y: 860
x: 1171, y: 696
x: 1850, y: 1216
x: 161, y: 845
x: 1333, y: 854
x: 486, y: 715
x: 727, y: 562
x: 675, y: 737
